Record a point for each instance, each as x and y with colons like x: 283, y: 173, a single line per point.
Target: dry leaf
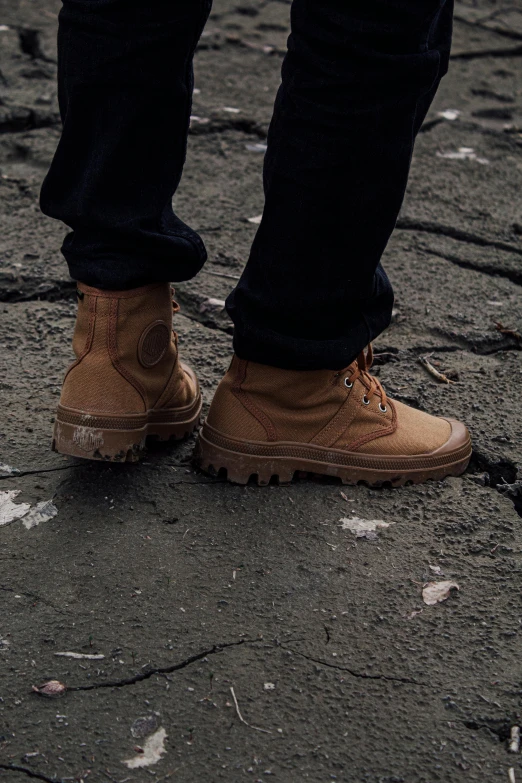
x: 51, y: 689
x: 364, y: 528
x: 435, y: 592
x: 212, y: 304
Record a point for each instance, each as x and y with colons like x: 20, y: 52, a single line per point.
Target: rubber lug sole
x: 78, y: 439
x: 242, y: 468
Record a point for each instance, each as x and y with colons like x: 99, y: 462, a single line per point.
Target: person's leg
x: 357, y: 82
x: 125, y: 91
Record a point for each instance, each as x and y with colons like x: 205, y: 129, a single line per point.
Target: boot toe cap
x: 459, y: 438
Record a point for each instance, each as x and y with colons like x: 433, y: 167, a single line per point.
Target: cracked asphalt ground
x: 198, y: 593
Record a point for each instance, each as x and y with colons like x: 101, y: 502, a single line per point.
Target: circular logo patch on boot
x: 153, y: 343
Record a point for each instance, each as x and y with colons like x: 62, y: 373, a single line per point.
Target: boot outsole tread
x: 243, y: 468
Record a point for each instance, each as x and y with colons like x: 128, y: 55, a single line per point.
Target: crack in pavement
x: 429, y: 227
x: 56, y: 290
x: 32, y: 120
x: 353, y: 673
x: 37, y: 472
x: 506, y: 32
x: 243, y: 124
x: 30, y: 773
x: 32, y: 597
x: 30, y: 43
x: 514, y: 51
x: 217, y: 648
x: 486, y: 269
x: 486, y: 347
x: 501, y: 471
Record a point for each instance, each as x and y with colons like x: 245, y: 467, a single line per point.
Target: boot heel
x: 98, y: 444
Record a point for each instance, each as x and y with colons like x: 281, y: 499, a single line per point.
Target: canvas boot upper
x: 327, y: 415
x: 127, y: 372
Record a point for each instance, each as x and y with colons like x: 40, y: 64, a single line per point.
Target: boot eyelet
x: 382, y: 410
x: 347, y: 383
x: 365, y: 400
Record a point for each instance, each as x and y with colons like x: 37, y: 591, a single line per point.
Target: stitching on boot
x: 322, y: 437
x: 374, y: 435
x: 90, y: 336
x: 130, y: 294
x: 174, y: 384
x: 247, y: 403
x: 112, y: 347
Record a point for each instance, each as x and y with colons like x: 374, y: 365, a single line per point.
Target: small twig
x: 168, y: 775
x: 222, y: 274
x: 256, y: 728
x: 433, y: 371
x: 514, y: 742
x: 506, y: 330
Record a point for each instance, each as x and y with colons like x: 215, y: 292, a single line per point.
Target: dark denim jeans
x: 357, y: 82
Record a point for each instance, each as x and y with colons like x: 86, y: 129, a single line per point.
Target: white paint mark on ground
x: 10, y: 511
x: 40, y: 513
x: 153, y: 750
x: 8, y: 470
x: 31, y: 517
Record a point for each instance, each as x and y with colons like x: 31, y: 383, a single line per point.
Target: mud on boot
x: 127, y: 381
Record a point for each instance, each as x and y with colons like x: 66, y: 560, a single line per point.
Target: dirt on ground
x: 243, y: 633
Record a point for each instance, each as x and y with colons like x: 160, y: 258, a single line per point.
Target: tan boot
x: 127, y: 382
x: 267, y: 422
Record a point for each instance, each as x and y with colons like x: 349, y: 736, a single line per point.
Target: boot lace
x: 360, y: 370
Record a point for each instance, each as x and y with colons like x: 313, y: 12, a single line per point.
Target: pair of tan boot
x: 127, y: 383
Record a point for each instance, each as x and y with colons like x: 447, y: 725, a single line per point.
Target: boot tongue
x: 365, y: 360
x: 363, y: 363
